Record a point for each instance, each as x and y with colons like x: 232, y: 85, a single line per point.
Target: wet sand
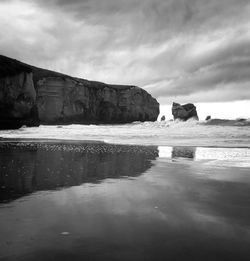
x: 61, y: 201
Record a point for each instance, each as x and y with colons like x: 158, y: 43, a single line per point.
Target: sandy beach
x: 117, y: 202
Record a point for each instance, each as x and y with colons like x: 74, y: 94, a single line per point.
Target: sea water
x: 165, y: 133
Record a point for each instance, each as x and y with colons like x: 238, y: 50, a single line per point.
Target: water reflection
x: 177, y: 210
x: 25, y: 168
x: 237, y: 157
x: 183, y: 152
x: 177, y: 152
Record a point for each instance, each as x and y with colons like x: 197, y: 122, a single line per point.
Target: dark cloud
x: 173, y: 48
x: 219, y: 69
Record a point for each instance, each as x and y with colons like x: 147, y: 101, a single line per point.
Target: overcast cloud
x: 185, y: 50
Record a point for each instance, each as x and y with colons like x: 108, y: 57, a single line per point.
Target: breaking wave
x: 213, y: 133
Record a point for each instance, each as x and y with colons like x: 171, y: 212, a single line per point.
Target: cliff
x: 31, y: 95
x: 17, y: 94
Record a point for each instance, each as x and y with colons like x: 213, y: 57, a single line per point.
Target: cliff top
x: 10, y: 67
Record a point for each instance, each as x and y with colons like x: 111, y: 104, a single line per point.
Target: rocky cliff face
x: 66, y: 100
x: 17, y: 100
x: 29, y: 95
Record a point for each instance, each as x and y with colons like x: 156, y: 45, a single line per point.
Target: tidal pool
x: 115, y: 202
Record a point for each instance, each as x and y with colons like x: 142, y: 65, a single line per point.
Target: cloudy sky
x: 178, y: 50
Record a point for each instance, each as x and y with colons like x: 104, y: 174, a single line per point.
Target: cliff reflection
x: 25, y: 168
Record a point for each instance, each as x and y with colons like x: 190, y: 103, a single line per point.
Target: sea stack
x: 184, y: 112
x: 31, y: 95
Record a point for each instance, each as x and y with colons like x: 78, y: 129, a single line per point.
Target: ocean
x: 166, y: 133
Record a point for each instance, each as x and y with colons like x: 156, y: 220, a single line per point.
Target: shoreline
x: 82, y: 142
x: 48, y: 141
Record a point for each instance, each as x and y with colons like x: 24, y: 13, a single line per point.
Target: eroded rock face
x: 29, y: 94
x: 184, y: 112
x: 68, y: 101
x: 17, y: 100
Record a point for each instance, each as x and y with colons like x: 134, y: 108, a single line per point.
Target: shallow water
x: 115, y: 202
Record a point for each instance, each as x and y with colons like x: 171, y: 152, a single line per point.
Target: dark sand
x: 114, y: 202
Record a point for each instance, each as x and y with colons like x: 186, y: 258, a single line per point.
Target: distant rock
x: 208, y: 118
x: 224, y: 122
x: 241, y: 119
x: 184, y: 112
x: 31, y: 95
x: 163, y: 118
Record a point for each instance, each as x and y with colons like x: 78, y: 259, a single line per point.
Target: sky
x: 194, y: 51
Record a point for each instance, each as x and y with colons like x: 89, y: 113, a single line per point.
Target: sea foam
x: 165, y: 133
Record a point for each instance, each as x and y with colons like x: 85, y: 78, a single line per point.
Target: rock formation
x: 17, y: 94
x: 29, y: 95
x: 184, y: 112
